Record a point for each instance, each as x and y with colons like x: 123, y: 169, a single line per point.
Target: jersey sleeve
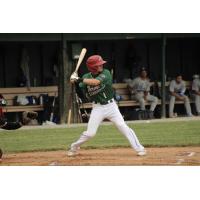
x: 81, y: 84
x: 104, y: 77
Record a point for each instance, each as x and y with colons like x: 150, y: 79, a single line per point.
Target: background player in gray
x: 177, y: 92
x: 196, y: 92
x: 140, y: 88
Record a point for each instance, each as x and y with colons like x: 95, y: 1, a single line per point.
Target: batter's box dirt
x: 107, y: 157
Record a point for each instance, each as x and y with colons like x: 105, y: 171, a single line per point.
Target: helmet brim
x: 101, y: 63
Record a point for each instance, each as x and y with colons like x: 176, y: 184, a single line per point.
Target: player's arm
x: 197, y: 92
x: 171, y: 90
x: 177, y: 95
x: 147, y: 89
x: 131, y: 86
x: 195, y: 88
x: 174, y: 94
x: 183, y: 89
x: 83, y: 81
x: 92, y: 81
x: 101, y: 78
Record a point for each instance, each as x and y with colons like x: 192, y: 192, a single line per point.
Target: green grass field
x: 150, y: 134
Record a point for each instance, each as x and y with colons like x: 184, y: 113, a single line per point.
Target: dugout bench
x: 123, y: 91
x: 10, y: 94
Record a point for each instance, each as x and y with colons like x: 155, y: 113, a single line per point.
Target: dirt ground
x: 107, y: 157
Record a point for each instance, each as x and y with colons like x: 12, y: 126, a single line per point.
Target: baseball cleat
x: 73, y: 151
x: 142, y: 153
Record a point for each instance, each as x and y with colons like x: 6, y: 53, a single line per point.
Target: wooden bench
x: 123, y: 91
x: 10, y: 93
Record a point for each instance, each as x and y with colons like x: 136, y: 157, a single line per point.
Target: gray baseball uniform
x: 138, y: 86
x: 196, y: 87
x: 178, y: 88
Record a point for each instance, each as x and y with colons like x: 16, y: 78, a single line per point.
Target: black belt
x: 104, y: 103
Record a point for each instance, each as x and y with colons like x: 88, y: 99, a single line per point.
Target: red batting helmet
x: 93, y: 62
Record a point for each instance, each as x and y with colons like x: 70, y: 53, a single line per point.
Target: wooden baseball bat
x: 80, y: 59
x: 69, y: 116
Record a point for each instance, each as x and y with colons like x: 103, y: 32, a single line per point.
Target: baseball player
x: 196, y: 92
x: 4, y: 124
x: 177, y: 92
x: 140, y: 88
x: 98, y: 86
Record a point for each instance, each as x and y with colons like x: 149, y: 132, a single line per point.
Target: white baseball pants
x: 112, y: 113
x: 197, y: 103
x: 186, y: 103
x: 150, y: 98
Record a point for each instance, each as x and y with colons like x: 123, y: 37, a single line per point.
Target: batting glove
x: 74, y: 78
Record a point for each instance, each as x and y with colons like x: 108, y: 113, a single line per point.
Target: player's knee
x: 186, y: 99
x: 121, y: 126
x: 141, y: 100
x: 90, y: 133
x: 155, y: 100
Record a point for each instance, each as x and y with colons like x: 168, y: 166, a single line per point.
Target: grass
x: 151, y: 134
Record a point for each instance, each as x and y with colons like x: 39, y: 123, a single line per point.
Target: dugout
x: 163, y: 54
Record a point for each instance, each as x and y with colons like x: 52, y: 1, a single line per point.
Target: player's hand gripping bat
x: 74, y: 75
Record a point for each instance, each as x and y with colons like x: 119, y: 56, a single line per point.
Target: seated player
x: 4, y: 124
x: 196, y: 92
x: 140, y: 88
x: 177, y: 92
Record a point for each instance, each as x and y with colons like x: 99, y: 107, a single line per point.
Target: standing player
x: 4, y: 124
x: 196, y: 91
x: 98, y: 86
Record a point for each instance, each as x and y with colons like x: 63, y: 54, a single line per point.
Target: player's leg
x: 140, y: 98
x: 187, y: 106
x: 153, y: 100
x: 197, y: 104
x: 96, y: 118
x: 171, y: 106
x: 116, y: 117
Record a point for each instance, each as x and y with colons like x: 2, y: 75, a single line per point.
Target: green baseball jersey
x: 101, y: 93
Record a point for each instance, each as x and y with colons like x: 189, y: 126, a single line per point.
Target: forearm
x: 91, y: 81
x: 197, y: 92
x: 175, y: 94
x: 145, y: 94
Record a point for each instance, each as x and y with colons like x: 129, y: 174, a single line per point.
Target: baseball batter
x: 196, y: 90
x: 177, y: 91
x: 98, y: 86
